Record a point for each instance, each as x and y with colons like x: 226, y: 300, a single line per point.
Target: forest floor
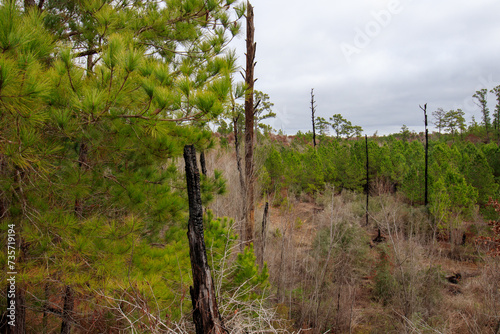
x: 462, y: 290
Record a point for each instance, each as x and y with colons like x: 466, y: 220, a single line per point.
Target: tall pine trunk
x: 249, y: 127
x: 205, y: 311
x: 69, y: 302
x: 242, y: 179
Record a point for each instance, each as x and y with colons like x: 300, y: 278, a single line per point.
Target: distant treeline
x: 462, y: 174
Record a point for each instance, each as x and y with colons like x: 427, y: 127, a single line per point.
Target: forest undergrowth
x: 330, y: 272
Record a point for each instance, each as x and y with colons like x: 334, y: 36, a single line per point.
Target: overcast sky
x: 374, y: 61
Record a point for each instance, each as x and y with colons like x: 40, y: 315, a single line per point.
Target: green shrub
x: 247, y: 278
x: 384, y: 282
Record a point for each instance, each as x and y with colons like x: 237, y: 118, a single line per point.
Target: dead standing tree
x: 205, y: 311
x: 426, y: 200
x: 367, y: 185
x: 313, y: 111
x: 249, y: 128
x: 263, y: 235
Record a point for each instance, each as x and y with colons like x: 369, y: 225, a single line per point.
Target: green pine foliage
x: 478, y: 172
x: 461, y: 175
x: 97, y: 100
x: 492, y: 153
x: 247, y: 280
x: 384, y: 282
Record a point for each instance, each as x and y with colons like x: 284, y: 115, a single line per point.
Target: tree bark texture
x: 69, y: 303
x: 203, y: 164
x: 242, y: 180
x: 205, y: 311
x: 249, y: 127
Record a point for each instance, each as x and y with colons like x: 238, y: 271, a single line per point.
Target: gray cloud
x: 407, y: 53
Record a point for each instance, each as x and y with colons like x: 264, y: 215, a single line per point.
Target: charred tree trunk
x: 367, y: 185
x: 263, y: 235
x: 313, y: 110
x: 379, y: 238
x: 426, y: 201
x: 67, y: 312
x: 249, y: 127
x: 203, y: 164
x: 205, y: 311
x: 45, y: 307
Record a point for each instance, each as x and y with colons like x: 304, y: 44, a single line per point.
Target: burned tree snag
x: 205, y: 311
x: 379, y: 238
x: 313, y: 110
x: 249, y: 126
x: 367, y: 185
x: 263, y: 235
x: 426, y: 201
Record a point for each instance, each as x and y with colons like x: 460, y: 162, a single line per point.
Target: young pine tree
x: 97, y: 101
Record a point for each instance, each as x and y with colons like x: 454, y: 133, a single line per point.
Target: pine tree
x: 496, y: 115
x: 454, y: 120
x: 343, y: 127
x: 482, y: 102
x: 439, y: 118
x: 249, y: 128
x: 263, y: 110
x: 103, y: 96
x: 25, y: 148
x: 322, y: 125
x: 478, y: 173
